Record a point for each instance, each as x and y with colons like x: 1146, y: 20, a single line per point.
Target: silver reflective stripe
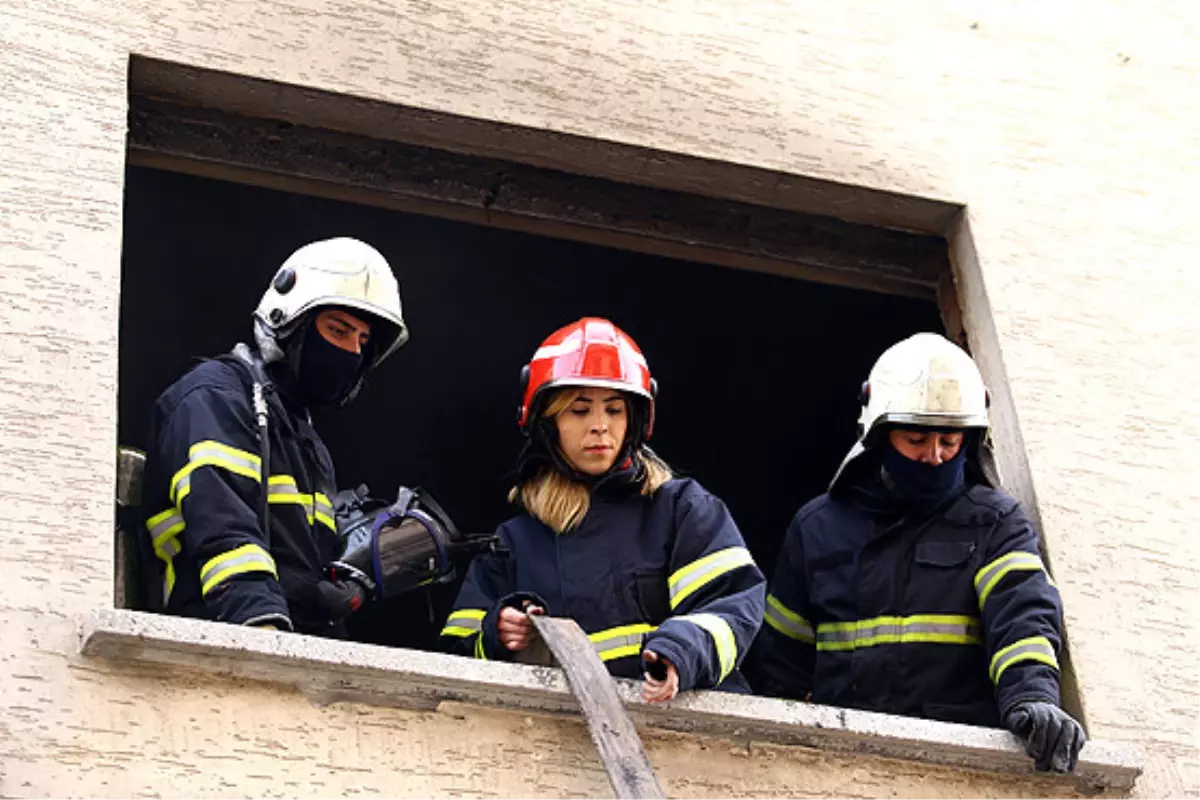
x: 323, y: 506
x: 793, y: 629
x: 253, y: 559
x: 992, y: 573
x: 1035, y: 648
x: 223, y: 456
x: 182, y: 488
x: 465, y: 623
x: 702, y: 570
x: 607, y: 646
x: 276, y: 486
x: 164, y: 525
x: 621, y: 641
x: 170, y: 548
x: 927, y: 628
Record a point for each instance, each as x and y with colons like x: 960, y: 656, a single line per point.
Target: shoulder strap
x: 260, y: 387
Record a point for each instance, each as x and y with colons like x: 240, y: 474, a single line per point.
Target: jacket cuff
x: 1023, y: 683
x: 281, y: 621
x: 678, y: 654
x: 490, y: 630
x: 249, y: 602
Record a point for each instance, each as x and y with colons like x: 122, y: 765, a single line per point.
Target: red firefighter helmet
x: 590, y: 352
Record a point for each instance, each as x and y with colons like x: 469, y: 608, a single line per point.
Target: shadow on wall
x: 758, y: 374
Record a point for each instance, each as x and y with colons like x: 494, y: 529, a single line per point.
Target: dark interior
x: 758, y: 374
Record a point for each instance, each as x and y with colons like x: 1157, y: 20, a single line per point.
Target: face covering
x: 925, y: 486
x: 327, y: 373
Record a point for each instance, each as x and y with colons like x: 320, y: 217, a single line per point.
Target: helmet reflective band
x: 925, y: 380
x: 340, y: 272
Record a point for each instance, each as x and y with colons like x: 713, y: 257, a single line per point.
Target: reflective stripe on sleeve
x: 212, y: 454
x: 464, y: 622
x: 164, y: 529
x: 920, y: 628
x: 722, y: 636
x: 624, y: 640
x: 695, y: 575
x: 1035, y: 648
x: 240, y: 560
x: 323, y: 511
x: 787, y: 622
x: 994, y: 571
x: 479, y: 652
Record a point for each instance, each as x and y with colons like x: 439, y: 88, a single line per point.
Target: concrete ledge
x: 330, y: 671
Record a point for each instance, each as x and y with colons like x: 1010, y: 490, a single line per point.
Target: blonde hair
x: 561, y: 503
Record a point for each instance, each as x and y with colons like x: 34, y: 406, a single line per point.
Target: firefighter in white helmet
x: 232, y: 539
x: 915, y: 585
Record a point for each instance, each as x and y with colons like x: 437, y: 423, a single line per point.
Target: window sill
x: 330, y: 671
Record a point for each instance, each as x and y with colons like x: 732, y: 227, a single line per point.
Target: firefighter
x: 915, y: 585
x: 228, y: 545
x: 651, y: 566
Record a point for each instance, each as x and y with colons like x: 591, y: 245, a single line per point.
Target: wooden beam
x: 282, y: 155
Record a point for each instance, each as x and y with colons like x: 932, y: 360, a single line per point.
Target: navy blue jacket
x: 668, y: 573
x: 202, y: 495
x: 949, y: 615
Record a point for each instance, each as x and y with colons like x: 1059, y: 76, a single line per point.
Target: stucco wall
x: 1069, y: 130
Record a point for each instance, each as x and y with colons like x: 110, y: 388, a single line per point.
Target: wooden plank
x: 625, y: 760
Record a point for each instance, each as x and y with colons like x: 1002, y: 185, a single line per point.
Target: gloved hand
x: 1052, y: 737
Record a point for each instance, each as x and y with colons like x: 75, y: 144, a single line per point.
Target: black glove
x: 1052, y: 737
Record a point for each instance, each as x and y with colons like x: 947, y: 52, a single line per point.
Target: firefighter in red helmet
x: 650, y: 565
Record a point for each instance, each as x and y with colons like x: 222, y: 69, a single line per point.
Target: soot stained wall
x: 758, y: 374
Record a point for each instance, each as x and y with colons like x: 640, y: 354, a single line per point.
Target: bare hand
x: 654, y: 690
x: 516, y: 631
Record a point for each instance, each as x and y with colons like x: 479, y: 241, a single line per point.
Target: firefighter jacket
x: 203, y: 493
x: 950, y: 615
x: 668, y: 573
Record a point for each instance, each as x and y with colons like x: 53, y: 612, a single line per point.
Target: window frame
x: 532, y: 180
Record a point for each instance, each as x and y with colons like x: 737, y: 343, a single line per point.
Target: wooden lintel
x: 284, y: 155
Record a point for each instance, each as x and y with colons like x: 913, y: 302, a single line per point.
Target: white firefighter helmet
x: 924, y: 381
x: 341, y: 272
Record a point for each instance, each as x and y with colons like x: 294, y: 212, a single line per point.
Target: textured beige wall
x: 1068, y: 129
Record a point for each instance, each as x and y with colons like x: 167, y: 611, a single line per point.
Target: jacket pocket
x: 943, y: 554
x: 651, y: 595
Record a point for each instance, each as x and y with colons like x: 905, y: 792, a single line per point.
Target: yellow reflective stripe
x: 621, y: 641
x: 1034, y: 648
x: 323, y: 511
x: 994, y: 571
x: 722, y: 636
x: 164, y: 529
x: 212, y: 454
x: 247, y: 558
x: 469, y: 622
x: 918, y: 628
x: 786, y: 621
x: 456, y: 630
x: 700, y: 572
x: 479, y: 653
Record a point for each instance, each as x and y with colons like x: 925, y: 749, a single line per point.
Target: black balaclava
x: 324, y: 373
x: 924, y: 486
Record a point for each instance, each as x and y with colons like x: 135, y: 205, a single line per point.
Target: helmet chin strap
x: 268, y: 345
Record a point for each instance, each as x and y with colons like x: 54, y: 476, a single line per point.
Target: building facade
x: 1054, y: 146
